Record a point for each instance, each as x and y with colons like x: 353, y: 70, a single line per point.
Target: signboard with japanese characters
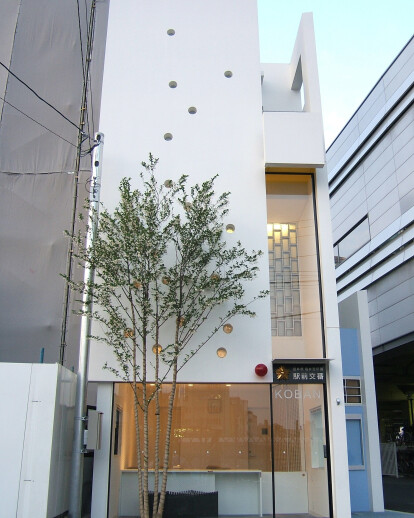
x: 298, y: 373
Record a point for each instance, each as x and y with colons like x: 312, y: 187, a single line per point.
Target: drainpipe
x: 75, y: 496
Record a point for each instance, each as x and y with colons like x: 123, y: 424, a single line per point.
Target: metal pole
x: 75, y: 497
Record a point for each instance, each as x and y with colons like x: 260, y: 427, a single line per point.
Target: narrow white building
x: 183, y: 80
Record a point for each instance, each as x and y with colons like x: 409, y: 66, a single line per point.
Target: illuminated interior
x: 293, y: 267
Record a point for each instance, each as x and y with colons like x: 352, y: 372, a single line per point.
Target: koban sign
x: 296, y: 394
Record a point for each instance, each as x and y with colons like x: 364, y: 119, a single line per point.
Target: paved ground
x: 386, y: 514
x: 399, y: 493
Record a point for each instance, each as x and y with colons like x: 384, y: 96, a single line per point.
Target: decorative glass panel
x: 284, y: 288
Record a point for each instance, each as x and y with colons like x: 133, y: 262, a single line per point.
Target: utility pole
x: 75, y: 497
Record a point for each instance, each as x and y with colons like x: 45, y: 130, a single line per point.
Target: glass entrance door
x: 299, y: 450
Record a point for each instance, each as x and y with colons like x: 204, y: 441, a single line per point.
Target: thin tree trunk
x: 157, y: 430
x: 145, y: 412
x: 136, y: 400
x: 168, y: 429
x: 138, y: 444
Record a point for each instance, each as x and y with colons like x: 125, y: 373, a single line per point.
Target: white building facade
x: 183, y: 80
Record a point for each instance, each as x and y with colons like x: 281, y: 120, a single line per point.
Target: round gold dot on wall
x: 230, y: 228
x: 171, y: 32
x: 172, y: 84
x: 227, y: 328
x: 228, y: 73
x: 192, y: 110
x: 168, y: 136
x: 156, y: 348
x: 221, y: 352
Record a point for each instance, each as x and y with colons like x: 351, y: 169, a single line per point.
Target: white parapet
x: 293, y: 129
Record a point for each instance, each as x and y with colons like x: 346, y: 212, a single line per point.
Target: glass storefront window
x: 293, y: 267
x: 256, y: 445
x: 215, y: 426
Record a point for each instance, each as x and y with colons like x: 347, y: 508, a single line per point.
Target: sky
x: 356, y: 41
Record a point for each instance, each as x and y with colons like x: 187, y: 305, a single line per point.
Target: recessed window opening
x: 221, y: 352
x: 297, y: 84
x: 352, y: 391
x: 355, y: 239
x: 354, y: 435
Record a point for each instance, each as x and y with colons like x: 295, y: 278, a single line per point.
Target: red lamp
x: 260, y: 369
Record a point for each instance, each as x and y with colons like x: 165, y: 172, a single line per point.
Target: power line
x: 37, y: 122
x: 83, y: 66
x: 16, y: 173
x: 38, y: 96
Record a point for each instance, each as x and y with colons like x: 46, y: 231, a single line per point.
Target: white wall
x: 225, y: 136
x: 36, y: 402
x: 294, y: 134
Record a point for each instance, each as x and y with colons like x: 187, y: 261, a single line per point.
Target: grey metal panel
x: 380, y: 155
x: 403, y: 138
x: 406, y: 119
x: 405, y: 153
x: 406, y: 169
x: 407, y: 201
x: 375, y: 338
x: 398, y: 293
x: 345, y: 140
x: 351, y: 188
x: 383, y: 197
x: 376, y: 104
x: 400, y: 76
x: 400, y: 327
x: 391, y: 304
x: 353, y: 216
x: 379, y: 176
x: 385, y: 219
x: 366, y: 107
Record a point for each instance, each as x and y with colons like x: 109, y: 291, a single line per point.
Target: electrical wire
x: 11, y: 173
x: 37, y: 122
x: 38, y: 96
x: 83, y: 67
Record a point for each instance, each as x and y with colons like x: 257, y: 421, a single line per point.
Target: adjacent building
x: 371, y: 183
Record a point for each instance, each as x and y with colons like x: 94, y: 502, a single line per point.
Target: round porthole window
x: 221, y: 352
